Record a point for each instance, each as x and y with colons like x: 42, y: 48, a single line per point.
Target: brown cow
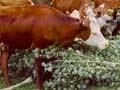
x: 108, y: 3
x: 15, y: 2
x: 104, y: 5
x: 69, y: 5
x: 41, y: 26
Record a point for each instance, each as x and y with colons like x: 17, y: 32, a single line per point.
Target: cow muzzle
x: 103, y: 45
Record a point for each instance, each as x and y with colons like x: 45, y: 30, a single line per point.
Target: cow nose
x: 104, y: 45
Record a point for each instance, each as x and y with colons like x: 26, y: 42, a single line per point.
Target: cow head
x: 109, y: 23
x: 102, y: 23
x: 114, y: 27
x: 89, y: 23
x: 102, y: 20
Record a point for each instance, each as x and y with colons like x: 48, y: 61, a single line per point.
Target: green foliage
x: 76, y: 66
x: 21, y: 60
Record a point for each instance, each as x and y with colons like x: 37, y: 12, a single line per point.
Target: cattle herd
x: 40, y: 23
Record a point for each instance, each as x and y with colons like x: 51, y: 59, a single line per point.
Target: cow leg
x: 41, y: 74
x: 4, y: 64
x: 39, y: 82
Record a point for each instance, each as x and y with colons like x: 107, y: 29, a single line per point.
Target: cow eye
x: 94, y: 33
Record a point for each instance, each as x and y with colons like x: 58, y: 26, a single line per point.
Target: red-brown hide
x: 69, y: 5
x: 108, y: 4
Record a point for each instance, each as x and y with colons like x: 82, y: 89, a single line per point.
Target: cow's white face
x: 96, y: 38
x: 111, y: 26
x: 101, y: 21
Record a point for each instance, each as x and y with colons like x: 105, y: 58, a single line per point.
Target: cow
x: 69, y: 5
x: 99, y: 5
x: 41, y: 26
x: 104, y: 5
x: 114, y: 24
x: 109, y: 24
x: 107, y: 4
x: 102, y: 22
x: 15, y: 2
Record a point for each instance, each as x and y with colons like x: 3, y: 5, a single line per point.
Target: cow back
x: 41, y: 25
